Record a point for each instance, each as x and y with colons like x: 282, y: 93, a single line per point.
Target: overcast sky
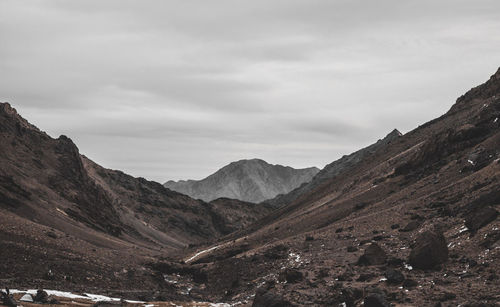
x: 177, y: 89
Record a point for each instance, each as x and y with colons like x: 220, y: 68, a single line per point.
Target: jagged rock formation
x: 247, y: 180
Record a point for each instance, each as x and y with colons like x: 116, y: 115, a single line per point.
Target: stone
x: 41, y: 297
x: 410, y: 226
x: 267, y: 298
x: 291, y: 275
x: 429, y: 251
x: 373, y: 255
x: 27, y: 298
x: 480, y: 218
x: 394, y: 277
x: 376, y: 300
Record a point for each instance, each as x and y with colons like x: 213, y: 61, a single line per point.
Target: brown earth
x: 414, y: 195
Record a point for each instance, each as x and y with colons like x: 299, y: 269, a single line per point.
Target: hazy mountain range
x: 252, y: 180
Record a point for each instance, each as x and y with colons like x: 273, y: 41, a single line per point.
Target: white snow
x: 408, y: 267
x: 202, y: 252
x: 86, y: 296
x: 27, y: 298
x: 471, y: 162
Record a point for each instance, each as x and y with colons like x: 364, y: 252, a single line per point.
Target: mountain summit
x: 252, y: 180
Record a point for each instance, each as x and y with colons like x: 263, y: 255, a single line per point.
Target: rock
x: 394, y: 277
x: 352, y: 249
x: 481, y: 218
x: 277, y: 252
x: 200, y: 277
x: 266, y: 298
x: 376, y: 300
x: 409, y: 283
x: 446, y: 296
x: 7, y: 299
x: 27, y: 298
x: 430, y: 250
x: 51, y: 234
x: 410, y: 226
x: 41, y: 297
x: 373, y: 255
x: 491, y: 238
x: 395, y: 261
x: 50, y: 275
x: 365, y: 277
x: 350, y: 295
x: 291, y: 275
x: 395, y: 226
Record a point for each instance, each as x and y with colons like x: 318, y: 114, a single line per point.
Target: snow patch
x: 202, y: 252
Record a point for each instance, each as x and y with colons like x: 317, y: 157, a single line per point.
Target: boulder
x: 430, y: 250
x: 291, y: 275
x: 480, y: 218
x: 27, y: 298
x: 376, y: 300
x: 373, y: 255
x: 268, y: 298
x: 41, y: 297
x: 410, y: 226
x: 394, y: 277
x: 8, y: 299
x: 409, y: 283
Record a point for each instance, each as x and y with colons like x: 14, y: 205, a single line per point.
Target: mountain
x: 333, y: 169
x: 247, y: 180
x: 413, y: 221
x: 86, y: 220
x: 410, y: 222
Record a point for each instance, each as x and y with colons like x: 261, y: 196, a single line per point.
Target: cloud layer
x: 177, y: 89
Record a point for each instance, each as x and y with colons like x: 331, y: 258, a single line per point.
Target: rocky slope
x: 342, y: 165
x: 415, y: 224
x: 246, y: 180
x: 53, y: 199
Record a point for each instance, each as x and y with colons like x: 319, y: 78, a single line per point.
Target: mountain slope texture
x: 246, y: 180
x: 412, y: 221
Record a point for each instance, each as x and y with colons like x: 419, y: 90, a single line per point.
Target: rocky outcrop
x: 246, y: 180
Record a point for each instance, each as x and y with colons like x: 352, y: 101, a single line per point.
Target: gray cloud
x: 176, y: 89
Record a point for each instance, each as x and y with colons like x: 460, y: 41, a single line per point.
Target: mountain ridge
x: 250, y: 180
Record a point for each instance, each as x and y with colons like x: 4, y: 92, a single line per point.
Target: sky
x: 177, y: 89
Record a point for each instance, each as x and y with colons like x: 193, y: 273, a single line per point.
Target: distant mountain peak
x: 393, y: 134
x: 251, y: 180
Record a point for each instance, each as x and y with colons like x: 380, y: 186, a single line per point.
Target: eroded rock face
x: 373, y: 255
x: 430, y: 250
x: 481, y: 218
